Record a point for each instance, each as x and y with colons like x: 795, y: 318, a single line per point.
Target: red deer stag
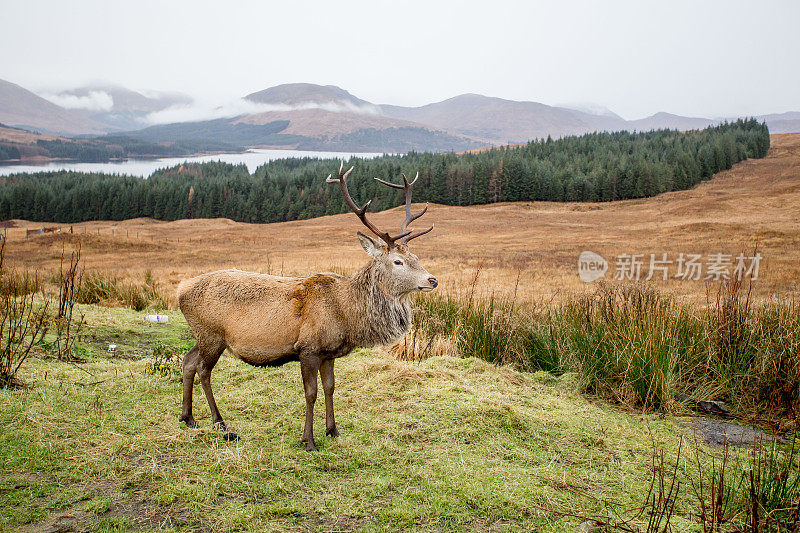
x: 270, y: 320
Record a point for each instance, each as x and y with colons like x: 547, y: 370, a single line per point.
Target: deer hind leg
x: 190, y: 362
x: 328, y: 383
x: 209, y: 355
x: 309, y: 367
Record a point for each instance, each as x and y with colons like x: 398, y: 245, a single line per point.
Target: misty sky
x: 692, y: 58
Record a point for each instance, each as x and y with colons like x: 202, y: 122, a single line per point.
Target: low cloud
x: 591, y: 108
x: 199, y: 111
x: 93, y: 101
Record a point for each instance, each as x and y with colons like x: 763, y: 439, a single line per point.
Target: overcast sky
x: 693, y: 58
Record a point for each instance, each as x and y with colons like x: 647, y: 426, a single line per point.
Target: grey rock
x: 704, y: 406
x: 713, y: 406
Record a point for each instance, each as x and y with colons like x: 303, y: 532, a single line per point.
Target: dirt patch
x: 134, y: 509
x: 73, y: 519
x: 142, y: 514
x: 131, y: 345
x: 139, y: 513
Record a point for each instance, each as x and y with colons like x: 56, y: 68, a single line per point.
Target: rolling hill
x: 668, y: 120
x: 18, y: 145
x: 309, y: 94
x: 324, y: 129
x: 20, y: 107
x: 221, y: 130
x: 310, y: 129
x: 782, y: 122
x: 499, y: 121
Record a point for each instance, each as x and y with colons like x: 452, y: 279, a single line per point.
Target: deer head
x: 397, y: 268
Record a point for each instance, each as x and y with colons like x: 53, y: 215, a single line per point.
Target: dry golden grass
x: 22, y: 136
x: 755, y: 203
x: 487, y: 148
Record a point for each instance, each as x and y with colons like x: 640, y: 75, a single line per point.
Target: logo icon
x: 591, y: 266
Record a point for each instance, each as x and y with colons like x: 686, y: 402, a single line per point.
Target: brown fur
x: 270, y: 320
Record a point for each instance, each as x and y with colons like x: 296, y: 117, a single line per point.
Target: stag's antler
x: 410, y: 217
x: 361, y: 212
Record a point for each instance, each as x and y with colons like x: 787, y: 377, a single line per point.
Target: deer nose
x: 433, y: 281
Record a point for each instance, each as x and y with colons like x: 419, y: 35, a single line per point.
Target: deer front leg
x: 309, y: 367
x: 326, y: 372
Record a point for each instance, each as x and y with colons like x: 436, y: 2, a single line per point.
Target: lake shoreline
x: 145, y: 166
x: 40, y: 159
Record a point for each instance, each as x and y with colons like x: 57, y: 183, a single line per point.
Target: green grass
x: 445, y: 444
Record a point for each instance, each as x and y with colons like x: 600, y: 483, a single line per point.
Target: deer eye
x: 398, y: 262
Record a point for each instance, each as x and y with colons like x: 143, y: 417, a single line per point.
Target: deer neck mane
x: 383, y: 318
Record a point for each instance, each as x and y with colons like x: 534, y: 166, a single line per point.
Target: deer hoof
x: 311, y: 446
x: 333, y: 432
x: 190, y: 421
x: 230, y: 436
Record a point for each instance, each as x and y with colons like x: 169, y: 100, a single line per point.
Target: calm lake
x: 145, y: 167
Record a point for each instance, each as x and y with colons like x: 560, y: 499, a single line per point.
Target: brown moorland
x: 529, y: 248
x: 17, y: 135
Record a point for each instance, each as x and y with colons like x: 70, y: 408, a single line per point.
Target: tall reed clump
x: 772, y: 483
x: 70, y: 280
x: 757, y: 490
x: 628, y: 343
x: 487, y: 330
x: 107, y: 289
x: 754, y: 351
x: 23, y: 318
x: 493, y: 330
x: 775, y: 370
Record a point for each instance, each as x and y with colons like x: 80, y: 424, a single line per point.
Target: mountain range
x: 325, y: 117
x: 116, y: 107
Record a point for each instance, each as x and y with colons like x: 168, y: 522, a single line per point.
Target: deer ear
x: 370, y: 246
